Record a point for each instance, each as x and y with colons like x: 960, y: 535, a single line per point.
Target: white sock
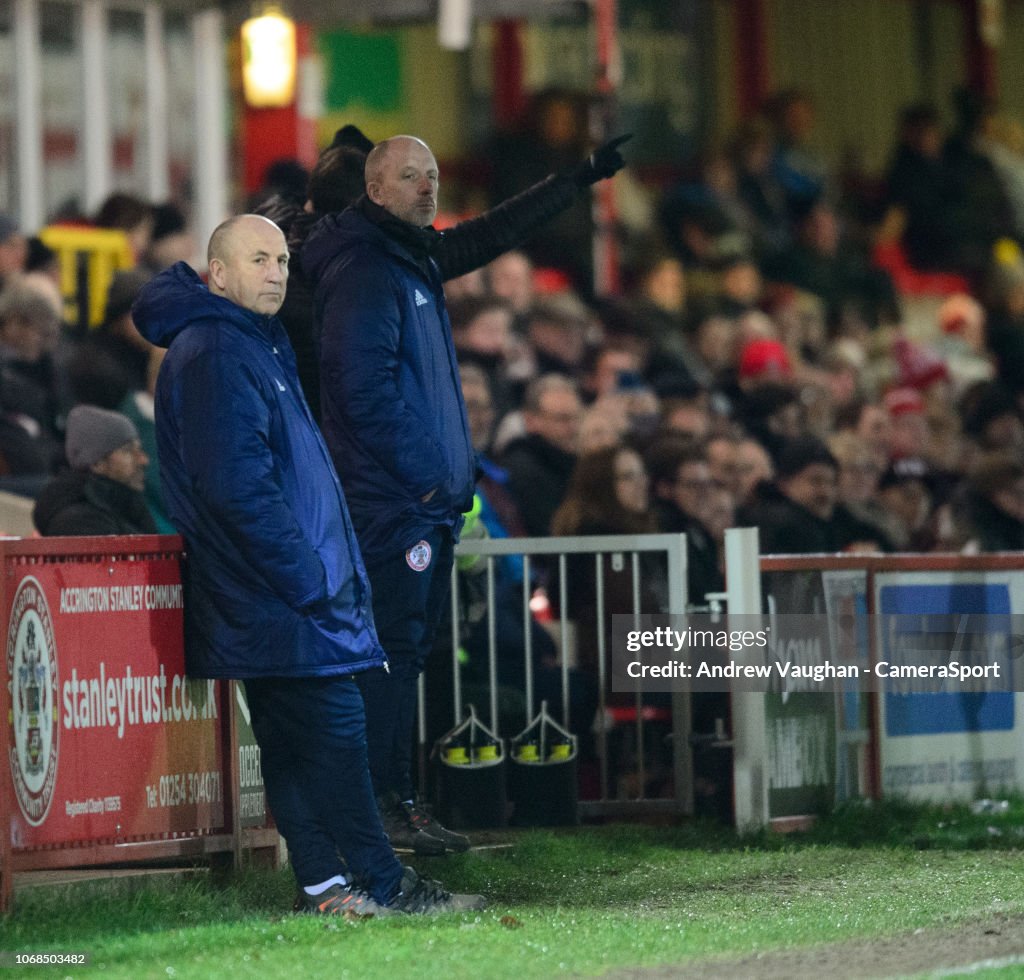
x: 324, y: 885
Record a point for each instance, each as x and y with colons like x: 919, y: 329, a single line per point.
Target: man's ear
x: 373, y: 192
x: 216, y: 271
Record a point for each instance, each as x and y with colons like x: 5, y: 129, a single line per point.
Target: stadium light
x: 268, y: 59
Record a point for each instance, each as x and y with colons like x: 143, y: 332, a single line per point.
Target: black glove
x: 604, y: 162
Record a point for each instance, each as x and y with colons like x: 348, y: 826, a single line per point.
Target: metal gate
x: 559, y: 557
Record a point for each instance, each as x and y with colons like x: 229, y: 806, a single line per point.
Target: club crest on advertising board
x: 32, y: 684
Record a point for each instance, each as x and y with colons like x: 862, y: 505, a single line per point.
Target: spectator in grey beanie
x: 102, y: 492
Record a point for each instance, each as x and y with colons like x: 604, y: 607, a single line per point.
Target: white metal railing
x: 672, y: 546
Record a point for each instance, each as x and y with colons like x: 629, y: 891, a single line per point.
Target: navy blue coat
x: 391, y: 400
x: 275, y: 585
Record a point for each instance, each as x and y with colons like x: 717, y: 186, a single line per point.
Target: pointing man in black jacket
x: 395, y: 422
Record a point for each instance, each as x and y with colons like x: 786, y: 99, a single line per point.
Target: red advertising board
x: 106, y: 739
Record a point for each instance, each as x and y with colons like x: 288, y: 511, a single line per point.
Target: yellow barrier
x: 89, y: 257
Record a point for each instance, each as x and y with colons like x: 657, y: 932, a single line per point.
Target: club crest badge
x: 32, y: 680
x: 418, y: 556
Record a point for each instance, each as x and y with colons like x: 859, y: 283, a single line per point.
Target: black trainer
x: 344, y: 900
x: 424, y: 896
x: 419, y: 818
x: 405, y: 832
x: 412, y: 828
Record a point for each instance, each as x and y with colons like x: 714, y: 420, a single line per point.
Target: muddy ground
x: 994, y: 941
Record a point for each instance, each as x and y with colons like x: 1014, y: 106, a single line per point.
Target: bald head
x: 248, y: 260
x: 402, y: 177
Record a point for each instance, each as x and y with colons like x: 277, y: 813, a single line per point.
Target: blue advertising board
x: 932, y: 713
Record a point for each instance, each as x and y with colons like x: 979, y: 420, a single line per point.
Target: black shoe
x: 405, y: 832
x: 344, y: 900
x: 424, y: 896
x: 426, y: 824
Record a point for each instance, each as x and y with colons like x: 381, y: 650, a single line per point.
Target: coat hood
x: 334, y: 234
x: 178, y: 298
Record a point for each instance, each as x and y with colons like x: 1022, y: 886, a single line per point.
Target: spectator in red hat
x: 919, y: 367
x: 762, y: 361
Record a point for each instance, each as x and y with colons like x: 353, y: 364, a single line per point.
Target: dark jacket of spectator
x: 29, y: 390
x: 552, y: 139
x: 994, y: 503
x: 924, y: 187
x: 538, y: 476
x: 703, y: 574
x: 105, y: 369
x: 993, y: 528
x: 787, y: 528
x: 21, y: 453
x: 851, y: 529
x: 82, y: 503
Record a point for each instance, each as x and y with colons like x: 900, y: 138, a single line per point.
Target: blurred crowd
x: 47, y: 366
x: 831, y: 357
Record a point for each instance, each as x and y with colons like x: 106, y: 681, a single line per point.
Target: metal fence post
x: 743, y: 588
x: 682, y: 712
